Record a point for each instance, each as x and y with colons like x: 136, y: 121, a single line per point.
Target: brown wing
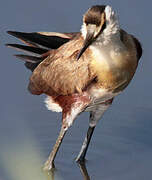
x: 61, y: 73
x: 138, y: 47
x: 39, y: 45
x: 61, y: 35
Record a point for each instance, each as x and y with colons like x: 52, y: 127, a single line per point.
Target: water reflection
x: 50, y: 175
x: 84, y: 171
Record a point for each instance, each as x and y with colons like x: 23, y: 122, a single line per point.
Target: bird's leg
x: 72, y: 107
x: 49, y: 164
x: 83, y: 151
x: 95, y: 115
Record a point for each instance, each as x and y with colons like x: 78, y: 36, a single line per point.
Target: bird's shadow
x: 50, y: 175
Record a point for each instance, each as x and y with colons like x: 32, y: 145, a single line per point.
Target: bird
x: 80, y: 71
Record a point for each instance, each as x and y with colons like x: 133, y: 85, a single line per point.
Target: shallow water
x: 121, y: 146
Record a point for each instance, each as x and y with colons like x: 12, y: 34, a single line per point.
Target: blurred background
x: 121, y: 147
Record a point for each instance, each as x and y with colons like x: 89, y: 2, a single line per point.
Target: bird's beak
x: 88, y: 40
x: 92, y: 32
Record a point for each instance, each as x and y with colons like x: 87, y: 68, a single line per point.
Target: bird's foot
x: 49, y: 165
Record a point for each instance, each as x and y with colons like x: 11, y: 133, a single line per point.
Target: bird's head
x: 98, y: 21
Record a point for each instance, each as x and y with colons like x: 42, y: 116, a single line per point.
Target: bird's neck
x: 112, y: 22
x: 110, y: 33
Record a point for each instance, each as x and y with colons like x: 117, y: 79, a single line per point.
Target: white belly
x: 99, y: 96
x: 52, y: 105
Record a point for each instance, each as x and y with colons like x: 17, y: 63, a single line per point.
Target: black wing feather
x: 39, y: 45
x: 28, y: 49
x: 39, y: 40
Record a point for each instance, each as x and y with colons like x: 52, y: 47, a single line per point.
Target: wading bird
x: 81, y: 71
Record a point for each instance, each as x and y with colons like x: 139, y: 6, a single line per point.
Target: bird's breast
x: 113, y: 66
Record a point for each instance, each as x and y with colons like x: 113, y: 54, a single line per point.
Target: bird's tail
x: 38, y: 46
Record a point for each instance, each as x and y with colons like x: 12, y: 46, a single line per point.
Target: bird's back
x: 61, y: 73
